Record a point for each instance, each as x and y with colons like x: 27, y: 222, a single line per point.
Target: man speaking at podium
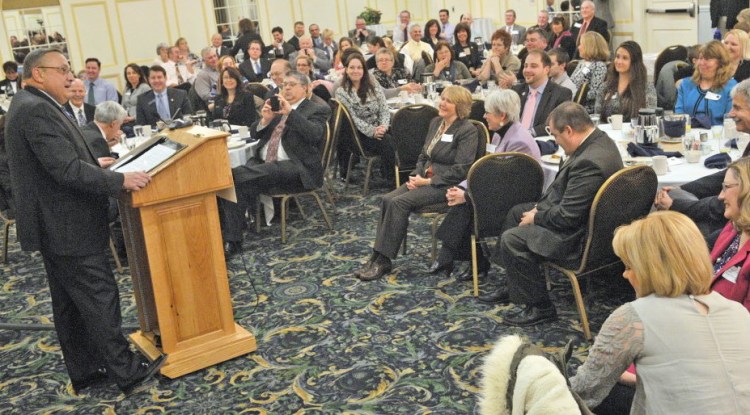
x: 62, y: 196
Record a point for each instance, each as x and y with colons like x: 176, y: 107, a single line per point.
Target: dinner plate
x: 551, y: 159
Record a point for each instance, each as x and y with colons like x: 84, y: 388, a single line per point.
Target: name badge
x: 712, y: 96
x: 576, y: 25
x: 462, y: 55
x: 401, y: 82
x: 447, y: 138
x: 514, y: 32
x: 731, y: 274
x: 491, y: 148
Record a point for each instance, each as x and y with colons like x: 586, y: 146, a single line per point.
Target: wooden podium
x: 176, y: 257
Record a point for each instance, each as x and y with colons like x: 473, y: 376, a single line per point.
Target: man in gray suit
x: 516, y: 32
x: 360, y: 33
x: 161, y: 103
x: 61, y: 194
x: 555, y: 226
x: 319, y: 58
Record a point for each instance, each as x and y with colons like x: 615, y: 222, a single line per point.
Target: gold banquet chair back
x: 626, y: 196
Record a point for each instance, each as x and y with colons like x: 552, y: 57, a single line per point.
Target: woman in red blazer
x: 731, y: 252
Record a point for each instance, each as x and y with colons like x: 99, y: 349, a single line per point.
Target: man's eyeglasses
x: 289, y: 84
x: 64, y: 70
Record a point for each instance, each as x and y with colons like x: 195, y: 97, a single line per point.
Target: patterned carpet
x: 328, y: 343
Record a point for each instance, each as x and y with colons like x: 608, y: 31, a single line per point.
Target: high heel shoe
x: 437, y: 268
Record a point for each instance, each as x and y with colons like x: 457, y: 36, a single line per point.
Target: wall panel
x: 139, y: 46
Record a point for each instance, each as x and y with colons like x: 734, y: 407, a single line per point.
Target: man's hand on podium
x: 135, y: 180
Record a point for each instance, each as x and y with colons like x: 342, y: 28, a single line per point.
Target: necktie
x: 528, y: 110
x: 162, y: 107
x: 583, y: 30
x: 180, y: 79
x: 81, y: 118
x: 257, y: 68
x: 406, y: 38
x: 90, y: 98
x: 272, y: 151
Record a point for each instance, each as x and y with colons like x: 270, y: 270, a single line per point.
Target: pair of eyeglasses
x: 64, y: 70
x: 726, y: 186
x: 289, y: 84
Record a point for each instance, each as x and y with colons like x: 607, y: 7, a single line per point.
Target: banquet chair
x: 345, y: 133
x: 437, y: 211
x: 409, y: 126
x: 580, y: 96
x: 285, y: 195
x: 627, y: 195
x: 669, y: 54
x: 496, y: 183
x: 571, y: 66
x: 477, y: 111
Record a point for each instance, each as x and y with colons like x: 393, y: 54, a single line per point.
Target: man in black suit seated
x: 588, y: 22
x: 161, y: 103
x: 9, y: 85
x: 217, y: 42
x: 554, y: 228
x: 538, y: 95
x: 81, y: 111
x: 255, y: 68
x: 287, y: 155
x: 61, y: 195
x: 279, y: 49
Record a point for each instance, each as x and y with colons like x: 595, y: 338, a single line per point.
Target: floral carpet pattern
x: 411, y: 343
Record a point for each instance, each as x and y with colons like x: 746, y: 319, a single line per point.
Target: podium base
x: 200, y: 356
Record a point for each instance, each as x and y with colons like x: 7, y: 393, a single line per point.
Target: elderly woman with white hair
x: 503, y: 108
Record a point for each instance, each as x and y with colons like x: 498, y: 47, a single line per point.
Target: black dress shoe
x: 379, y: 268
x: 368, y: 265
x: 531, y: 315
x: 232, y: 248
x: 499, y: 296
x: 99, y: 377
x: 437, y: 268
x: 468, y: 274
x: 150, y: 369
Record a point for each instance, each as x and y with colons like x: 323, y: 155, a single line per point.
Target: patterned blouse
x: 388, y: 82
x: 595, y: 74
x: 607, y: 108
x: 373, y: 113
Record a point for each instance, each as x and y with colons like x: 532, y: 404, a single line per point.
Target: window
x: 229, y: 12
x: 30, y: 29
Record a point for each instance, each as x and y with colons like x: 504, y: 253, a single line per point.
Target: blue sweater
x: 691, y: 100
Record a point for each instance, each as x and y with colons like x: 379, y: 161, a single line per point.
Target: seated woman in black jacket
x: 465, y: 50
x: 233, y: 103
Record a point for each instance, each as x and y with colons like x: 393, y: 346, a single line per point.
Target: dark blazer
x: 243, y: 42
x: 145, y: 110
x: 248, y: 71
x: 294, y: 41
x: 451, y: 160
x: 60, y: 190
x: 567, y: 43
x: 472, y: 60
x: 707, y: 211
x: 242, y: 111
x: 553, y: 96
x: 597, y: 25
x: 88, y: 110
x: 303, y: 139
x: 287, y: 48
x: 95, y: 140
x: 563, y: 210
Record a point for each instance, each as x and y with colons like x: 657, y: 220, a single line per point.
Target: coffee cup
x: 661, y: 165
x: 594, y: 118
x: 616, y: 121
x: 693, y: 156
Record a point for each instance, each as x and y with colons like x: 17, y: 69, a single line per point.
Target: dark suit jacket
x: 88, y: 109
x: 96, y: 141
x: 248, y: 71
x: 553, y: 96
x: 303, y: 139
x: 5, y: 84
x: 287, y: 47
x: 294, y: 42
x: 242, y: 111
x: 223, y: 50
x: 563, y: 210
x: 145, y: 109
x: 706, y: 210
x: 597, y: 25
x: 60, y: 190
x: 450, y: 160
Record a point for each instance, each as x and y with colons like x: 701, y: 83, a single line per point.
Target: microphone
x: 180, y: 123
x: 175, y: 113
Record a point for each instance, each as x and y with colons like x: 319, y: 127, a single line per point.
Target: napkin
x: 718, y: 161
x: 636, y: 150
x: 547, y: 147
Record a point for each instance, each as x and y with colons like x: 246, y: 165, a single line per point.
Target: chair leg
x: 6, y: 230
x: 299, y: 207
x: 398, y: 176
x: 348, y: 171
x: 329, y: 193
x: 368, y: 173
x: 474, y: 265
x: 284, y: 206
x: 579, y: 303
x: 322, y: 210
x: 112, y: 248
x: 258, y: 207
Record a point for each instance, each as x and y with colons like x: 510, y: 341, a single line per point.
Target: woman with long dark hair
x: 135, y: 85
x: 233, y: 103
x: 366, y: 102
x: 431, y: 33
x: 627, y: 88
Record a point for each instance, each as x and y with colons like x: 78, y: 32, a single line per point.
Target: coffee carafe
x: 647, y: 130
